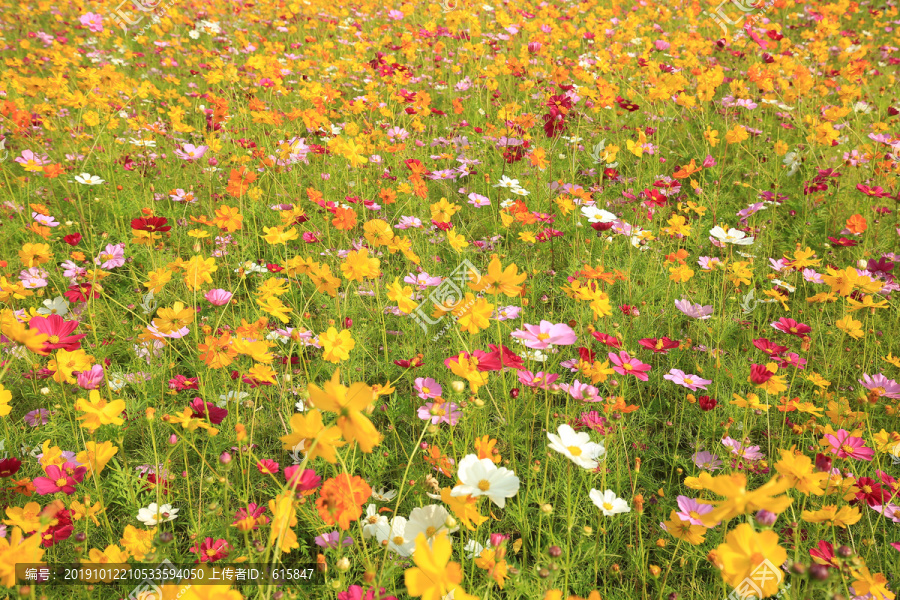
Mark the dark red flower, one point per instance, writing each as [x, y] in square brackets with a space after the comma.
[60, 529]
[770, 348]
[208, 410]
[9, 466]
[706, 403]
[507, 357]
[659, 346]
[72, 239]
[872, 492]
[211, 550]
[607, 340]
[151, 224]
[842, 241]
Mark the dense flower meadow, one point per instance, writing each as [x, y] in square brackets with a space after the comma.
[550, 300]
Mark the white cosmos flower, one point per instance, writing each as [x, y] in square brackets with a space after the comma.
[429, 520]
[373, 521]
[577, 447]
[154, 514]
[383, 495]
[57, 306]
[732, 236]
[506, 182]
[88, 179]
[597, 215]
[481, 477]
[394, 535]
[608, 503]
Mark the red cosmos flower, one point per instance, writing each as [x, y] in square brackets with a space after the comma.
[842, 241]
[253, 511]
[151, 224]
[304, 481]
[871, 492]
[267, 466]
[152, 481]
[659, 346]
[791, 327]
[9, 467]
[823, 554]
[410, 364]
[208, 410]
[607, 340]
[181, 383]
[81, 292]
[759, 374]
[770, 348]
[211, 551]
[72, 239]
[506, 357]
[629, 311]
[274, 268]
[59, 531]
[586, 354]
[706, 403]
[59, 331]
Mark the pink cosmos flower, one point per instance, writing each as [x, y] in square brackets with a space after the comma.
[886, 388]
[738, 449]
[582, 391]
[60, 479]
[90, 380]
[791, 327]
[440, 412]
[707, 460]
[422, 280]
[427, 388]
[537, 380]
[691, 510]
[112, 257]
[505, 313]
[845, 445]
[625, 365]
[301, 481]
[539, 337]
[191, 152]
[691, 382]
[696, 311]
[92, 21]
[218, 297]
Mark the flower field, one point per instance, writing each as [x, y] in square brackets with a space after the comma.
[545, 300]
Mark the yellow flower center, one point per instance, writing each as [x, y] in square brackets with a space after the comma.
[543, 336]
[608, 505]
[54, 339]
[398, 540]
[61, 482]
[431, 531]
[426, 390]
[574, 450]
[627, 366]
[847, 448]
[484, 485]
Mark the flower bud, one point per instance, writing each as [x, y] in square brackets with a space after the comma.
[458, 386]
[766, 518]
[343, 564]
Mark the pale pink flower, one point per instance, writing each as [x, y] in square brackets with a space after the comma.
[218, 297]
[539, 337]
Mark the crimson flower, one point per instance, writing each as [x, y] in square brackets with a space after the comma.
[72, 239]
[60, 479]
[151, 224]
[58, 331]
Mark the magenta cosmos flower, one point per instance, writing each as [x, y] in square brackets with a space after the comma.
[691, 382]
[791, 327]
[59, 332]
[218, 297]
[539, 337]
[537, 380]
[627, 365]
[845, 445]
[60, 479]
